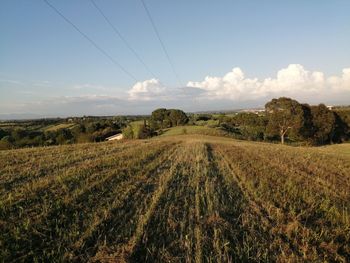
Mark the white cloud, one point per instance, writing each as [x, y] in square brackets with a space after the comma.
[233, 85]
[293, 80]
[341, 83]
[147, 90]
[231, 91]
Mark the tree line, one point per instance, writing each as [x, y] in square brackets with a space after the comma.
[287, 119]
[284, 120]
[83, 130]
[160, 119]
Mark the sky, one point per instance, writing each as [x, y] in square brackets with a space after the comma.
[225, 54]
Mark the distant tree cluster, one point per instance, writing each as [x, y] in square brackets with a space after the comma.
[245, 125]
[284, 120]
[138, 131]
[301, 122]
[82, 130]
[344, 114]
[166, 118]
[287, 119]
[160, 119]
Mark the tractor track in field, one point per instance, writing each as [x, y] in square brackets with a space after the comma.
[148, 193]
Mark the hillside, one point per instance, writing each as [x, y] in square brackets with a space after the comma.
[192, 129]
[174, 199]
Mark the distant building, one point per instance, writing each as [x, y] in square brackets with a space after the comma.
[118, 137]
[330, 107]
[256, 111]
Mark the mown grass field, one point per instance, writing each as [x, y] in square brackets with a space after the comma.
[190, 198]
[193, 129]
[56, 127]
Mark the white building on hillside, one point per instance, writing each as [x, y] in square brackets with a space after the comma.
[118, 137]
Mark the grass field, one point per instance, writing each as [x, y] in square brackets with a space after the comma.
[193, 129]
[190, 198]
[56, 127]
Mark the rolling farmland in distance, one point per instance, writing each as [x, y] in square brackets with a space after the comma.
[188, 198]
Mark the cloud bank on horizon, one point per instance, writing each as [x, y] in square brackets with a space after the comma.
[231, 91]
[293, 80]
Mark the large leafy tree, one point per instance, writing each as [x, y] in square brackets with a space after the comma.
[250, 125]
[324, 124]
[286, 117]
[177, 117]
[159, 116]
[168, 118]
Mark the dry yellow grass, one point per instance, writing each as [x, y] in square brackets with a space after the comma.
[190, 198]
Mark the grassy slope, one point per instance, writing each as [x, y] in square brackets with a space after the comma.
[59, 126]
[337, 149]
[175, 198]
[193, 129]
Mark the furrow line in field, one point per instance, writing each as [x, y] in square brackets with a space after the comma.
[197, 228]
[111, 195]
[62, 183]
[121, 245]
[168, 235]
[118, 176]
[19, 157]
[148, 176]
[300, 198]
[51, 168]
[24, 160]
[299, 235]
[71, 189]
[307, 176]
[260, 209]
[77, 211]
[232, 239]
[328, 168]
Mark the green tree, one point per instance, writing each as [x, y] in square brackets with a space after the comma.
[77, 131]
[323, 121]
[203, 117]
[159, 116]
[91, 127]
[177, 117]
[64, 136]
[128, 132]
[143, 132]
[18, 134]
[163, 118]
[341, 131]
[248, 125]
[286, 117]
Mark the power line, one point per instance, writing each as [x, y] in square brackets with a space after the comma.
[90, 40]
[161, 42]
[117, 32]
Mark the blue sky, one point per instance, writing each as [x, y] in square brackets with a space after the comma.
[47, 68]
